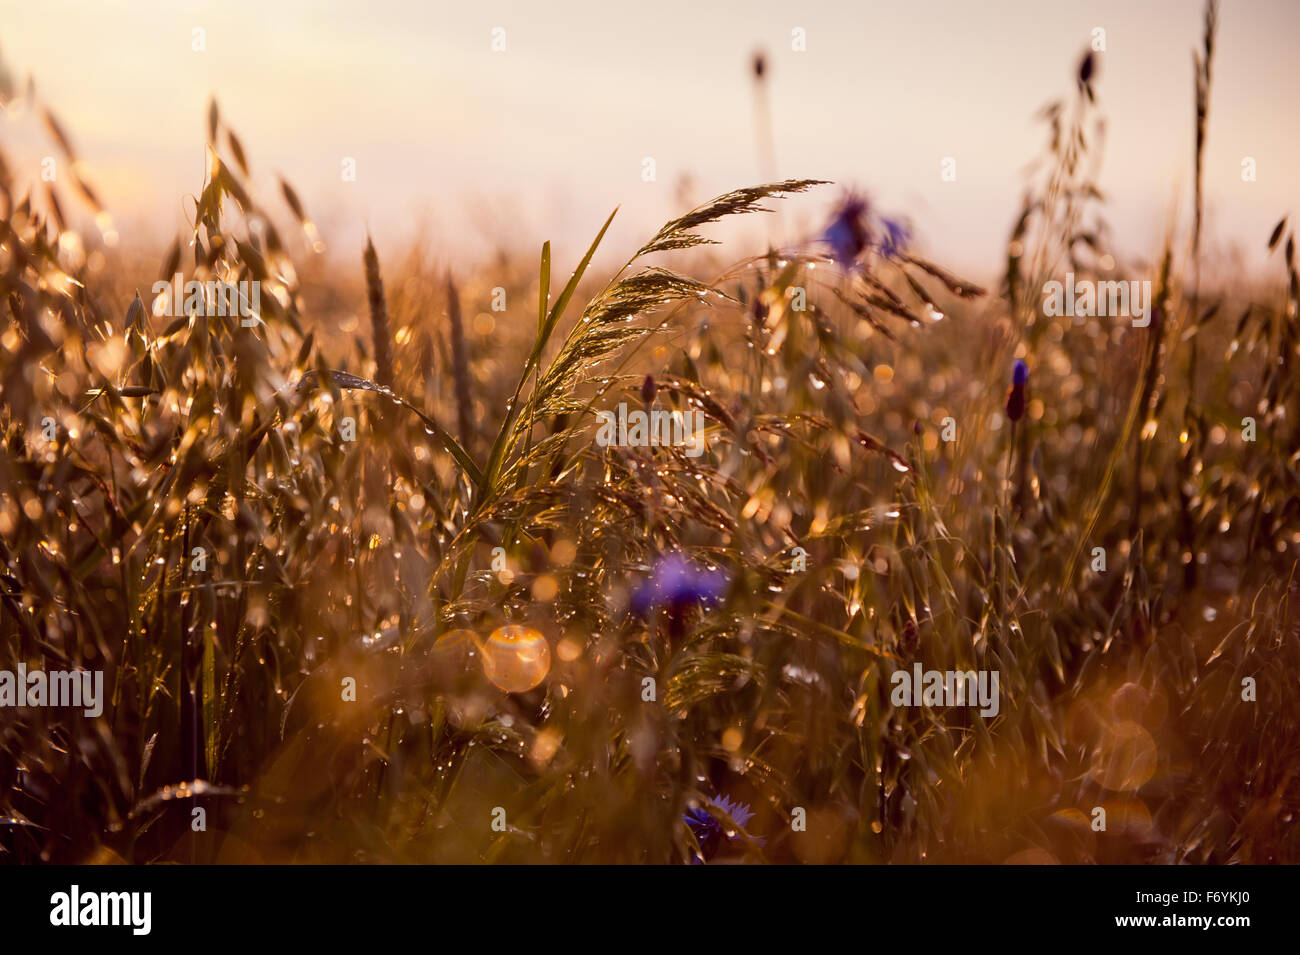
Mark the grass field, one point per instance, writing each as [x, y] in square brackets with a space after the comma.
[294, 551]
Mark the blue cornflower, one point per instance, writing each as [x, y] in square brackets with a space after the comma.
[739, 812]
[675, 583]
[848, 234]
[708, 830]
[895, 238]
[853, 229]
[1020, 373]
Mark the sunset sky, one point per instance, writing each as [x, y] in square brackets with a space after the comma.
[543, 140]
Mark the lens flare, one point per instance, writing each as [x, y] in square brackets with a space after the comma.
[516, 658]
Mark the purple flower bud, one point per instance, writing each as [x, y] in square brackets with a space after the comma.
[1016, 396]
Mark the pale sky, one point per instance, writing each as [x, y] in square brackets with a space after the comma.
[543, 140]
